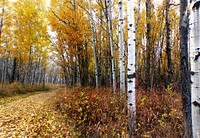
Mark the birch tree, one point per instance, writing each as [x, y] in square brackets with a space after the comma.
[195, 66]
[108, 4]
[4, 70]
[93, 43]
[121, 45]
[137, 18]
[1, 18]
[148, 45]
[131, 69]
[168, 45]
[184, 72]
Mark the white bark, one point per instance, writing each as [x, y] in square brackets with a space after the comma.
[131, 67]
[4, 73]
[108, 3]
[137, 19]
[121, 46]
[1, 19]
[195, 67]
[78, 69]
[94, 43]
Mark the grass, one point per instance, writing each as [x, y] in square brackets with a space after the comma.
[16, 91]
[18, 88]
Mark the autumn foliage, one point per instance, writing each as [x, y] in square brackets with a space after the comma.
[97, 113]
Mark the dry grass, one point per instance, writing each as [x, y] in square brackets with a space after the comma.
[18, 88]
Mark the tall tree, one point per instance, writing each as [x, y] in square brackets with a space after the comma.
[1, 18]
[121, 46]
[1, 26]
[184, 72]
[168, 44]
[94, 44]
[31, 40]
[131, 70]
[195, 66]
[73, 33]
[109, 16]
[148, 45]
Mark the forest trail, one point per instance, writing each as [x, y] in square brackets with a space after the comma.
[32, 116]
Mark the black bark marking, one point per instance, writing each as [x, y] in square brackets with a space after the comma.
[131, 104]
[130, 91]
[192, 73]
[196, 104]
[131, 76]
[196, 5]
[197, 56]
[130, 81]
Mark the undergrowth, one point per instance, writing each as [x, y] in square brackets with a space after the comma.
[18, 88]
[93, 113]
[159, 114]
[97, 113]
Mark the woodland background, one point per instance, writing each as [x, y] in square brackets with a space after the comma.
[59, 42]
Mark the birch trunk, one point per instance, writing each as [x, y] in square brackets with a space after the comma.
[121, 45]
[195, 67]
[4, 74]
[94, 44]
[168, 45]
[137, 19]
[137, 64]
[108, 4]
[184, 72]
[78, 68]
[1, 26]
[148, 46]
[1, 21]
[131, 69]
[13, 75]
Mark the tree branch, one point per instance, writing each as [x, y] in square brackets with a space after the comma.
[61, 20]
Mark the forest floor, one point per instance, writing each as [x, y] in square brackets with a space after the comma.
[31, 115]
[59, 113]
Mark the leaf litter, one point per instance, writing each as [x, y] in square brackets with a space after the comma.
[35, 115]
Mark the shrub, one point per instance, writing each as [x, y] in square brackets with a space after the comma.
[93, 113]
[159, 114]
[16, 88]
[96, 113]
[37, 88]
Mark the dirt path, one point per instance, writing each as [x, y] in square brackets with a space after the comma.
[32, 116]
